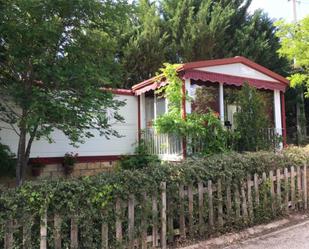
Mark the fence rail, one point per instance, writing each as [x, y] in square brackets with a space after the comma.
[200, 207]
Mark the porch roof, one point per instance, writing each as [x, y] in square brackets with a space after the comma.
[192, 70]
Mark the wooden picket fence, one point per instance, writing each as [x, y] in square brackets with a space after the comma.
[286, 191]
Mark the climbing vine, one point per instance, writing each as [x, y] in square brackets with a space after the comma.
[202, 128]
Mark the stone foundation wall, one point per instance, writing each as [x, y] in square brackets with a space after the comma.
[54, 171]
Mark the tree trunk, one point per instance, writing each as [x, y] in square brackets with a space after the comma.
[21, 155]
[28, 150]
[301, 118]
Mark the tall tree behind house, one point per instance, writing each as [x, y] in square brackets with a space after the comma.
[179, 31]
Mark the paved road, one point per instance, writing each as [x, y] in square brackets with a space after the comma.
[294, 237]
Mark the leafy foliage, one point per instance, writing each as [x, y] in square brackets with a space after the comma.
[55, 56]
[179, 31]
[88, 196]
[251, 121]
[139, 160]
[204, 127]
[295, 46]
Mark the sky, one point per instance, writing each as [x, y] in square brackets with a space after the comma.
[281, 8]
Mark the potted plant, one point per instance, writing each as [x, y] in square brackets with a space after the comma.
[69, 161]
[36, 167]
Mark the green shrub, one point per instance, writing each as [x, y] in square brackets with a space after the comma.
[7, 161]
[139, 160]
[252, 121]
[89, 196]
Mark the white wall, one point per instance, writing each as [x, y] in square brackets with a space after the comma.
[238, 69]
[96, 146]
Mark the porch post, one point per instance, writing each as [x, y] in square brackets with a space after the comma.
[283, 117]
[221, 102]
[139, 133]
[154, 106]
[277, 107]
[184, 115]
[142, 111]
[188, 90]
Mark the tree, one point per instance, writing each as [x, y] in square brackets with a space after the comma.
[55, 57]
[178, 31]
[251, 121]
[295, 46]
[144, 44]
[256, 39]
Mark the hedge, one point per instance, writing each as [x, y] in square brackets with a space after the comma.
[87, 197]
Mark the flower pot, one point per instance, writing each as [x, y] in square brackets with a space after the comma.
[36, 172]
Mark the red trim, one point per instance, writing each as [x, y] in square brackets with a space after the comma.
[237, 59]
[119, 91]
[80, 159]
[139, 118]
[152, 86]
[154, 82]
[283, 119]
[147, 82]
[233, 80]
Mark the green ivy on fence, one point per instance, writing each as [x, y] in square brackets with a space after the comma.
[92, 199]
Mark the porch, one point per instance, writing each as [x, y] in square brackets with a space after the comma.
[216, 81]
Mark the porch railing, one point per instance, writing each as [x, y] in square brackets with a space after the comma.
[163, 145]
[169, 146]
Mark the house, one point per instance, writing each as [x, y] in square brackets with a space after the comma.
[143, 105]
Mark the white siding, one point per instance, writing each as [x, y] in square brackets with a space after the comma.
[96, 146]
[238, 69]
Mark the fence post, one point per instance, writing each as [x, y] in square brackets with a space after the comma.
[256, 189]
[57, 231]
[299, 190]
[74, 233]
[182, 212]
[131, 221]
[272, 190]
[154, 221]
[43, 231]
[293, 187]
[170, 221]
[104, 232]
[163, 215]
[250, 205]
[8, 237]
[286, 189]
[190, 197]
[228, 200]
[200, 208]
[237, 201]
[264, 177]
[305, 186]
[278, 189]
[118, 221]
[244, 202]
[210, 205]
[220, 204]
[144, 223]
